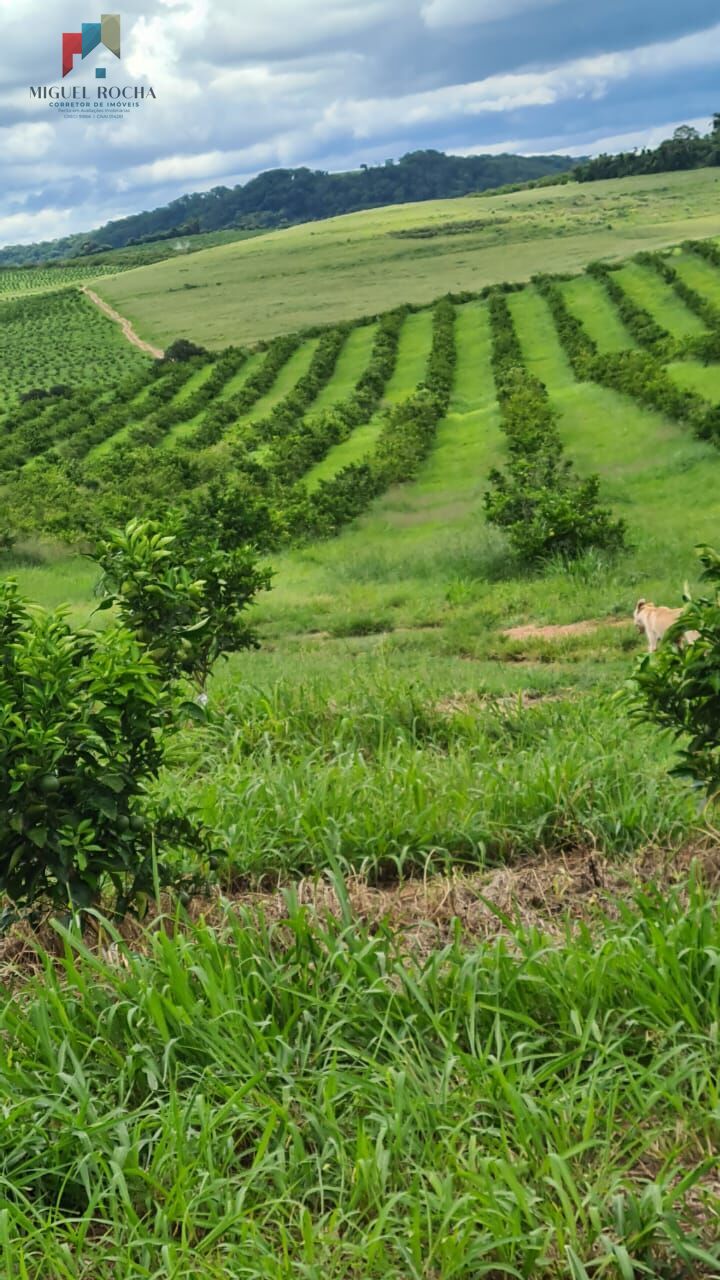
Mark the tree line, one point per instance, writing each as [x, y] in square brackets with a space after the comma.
[686, 149]
[280, 197]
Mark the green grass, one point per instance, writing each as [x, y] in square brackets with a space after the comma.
[305, 1097]
[699, 274]
[653, 470]
[691, 375]
[45, 278]
[413, 351]
[324, 272]
[238, 380]
[649, 290]
[276, 1100]
[292, 371]
[352, 363]
[588, 300]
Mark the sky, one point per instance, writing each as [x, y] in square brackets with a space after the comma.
[247, 85]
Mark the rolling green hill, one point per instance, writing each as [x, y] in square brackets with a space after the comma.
[478, 1035]
[324, 272]
[279, 197]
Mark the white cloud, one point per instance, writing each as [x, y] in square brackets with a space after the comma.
[43, 225]
[450, 13]
[574, 80]
[26, 142]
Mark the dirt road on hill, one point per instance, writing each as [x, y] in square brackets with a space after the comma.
[125, 325]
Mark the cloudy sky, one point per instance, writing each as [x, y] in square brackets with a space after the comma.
[246, 85]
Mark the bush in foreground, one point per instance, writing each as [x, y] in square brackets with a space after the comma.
[182, 595]
[85, 717]
[679, 686]
[83, 723]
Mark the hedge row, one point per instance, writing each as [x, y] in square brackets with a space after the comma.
[311, 439]
[538, 501]
[579, 347]
[76, 420]
[404, 442]
[223, 413]
[638, 322]
[635, 373]
[694, 301]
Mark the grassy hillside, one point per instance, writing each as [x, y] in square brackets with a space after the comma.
[364, 263]
[484, 1041]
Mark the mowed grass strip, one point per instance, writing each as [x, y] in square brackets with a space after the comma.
[699, 274]
[692, 375]
[352, 363]
[238, 380]
[654, 471]
[292, 371]
[589, 302]
[413, 352]
[645, 287]
[181, 430]
[450, 484]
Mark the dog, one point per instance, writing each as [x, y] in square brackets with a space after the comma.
[654, 620]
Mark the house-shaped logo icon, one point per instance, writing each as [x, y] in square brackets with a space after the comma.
[105, 32]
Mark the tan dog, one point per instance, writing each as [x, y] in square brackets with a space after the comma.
[655, 620]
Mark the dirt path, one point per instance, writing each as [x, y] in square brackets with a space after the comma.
[532, 632]
[125, 325]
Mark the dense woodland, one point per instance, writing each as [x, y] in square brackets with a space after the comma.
[280, 197]
[687, 149]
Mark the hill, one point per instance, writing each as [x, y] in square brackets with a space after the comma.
[449, 1002]
[365, 262]
[281, 197]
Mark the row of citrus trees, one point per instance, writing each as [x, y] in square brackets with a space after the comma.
[538, 501]
[636, 373]
[71, 491]
[258, 464]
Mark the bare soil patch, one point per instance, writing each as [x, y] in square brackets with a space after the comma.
[548, 893]
[532, 632]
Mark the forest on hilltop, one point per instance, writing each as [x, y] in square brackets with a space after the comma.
[280, 197]
[686, 149]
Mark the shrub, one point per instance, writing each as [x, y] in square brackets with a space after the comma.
[83, 724]
[182, 349]
[180, 593]
[545, 510]
[679, 686]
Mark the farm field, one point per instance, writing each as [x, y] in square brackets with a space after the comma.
[44, 278]
[20, 283]
[61, 338]
[368, 262]
[448, 1008]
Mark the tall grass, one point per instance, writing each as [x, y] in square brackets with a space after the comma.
[381, 778]
[303, 1099]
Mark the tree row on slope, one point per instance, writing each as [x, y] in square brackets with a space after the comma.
[635, 373]
[540, 504]
[639, 323]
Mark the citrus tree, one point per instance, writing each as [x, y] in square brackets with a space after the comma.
[678, 687]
